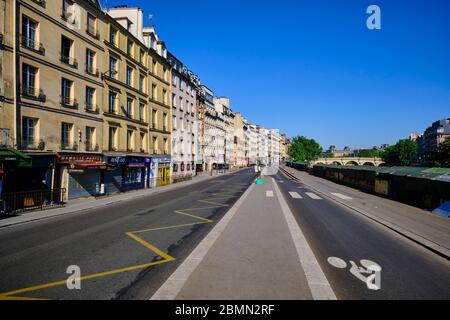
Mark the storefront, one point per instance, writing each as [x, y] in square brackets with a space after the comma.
[13, 168]
[128, 173]
[160, 173]
[81, 174]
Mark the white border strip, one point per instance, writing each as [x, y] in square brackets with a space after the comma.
[173, 285]
[318, 283]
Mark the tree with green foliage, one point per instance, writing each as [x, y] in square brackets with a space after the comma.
[368, 153]
[443, 154]
[304, 149]
[400, 154]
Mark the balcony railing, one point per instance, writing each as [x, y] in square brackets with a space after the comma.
[89, 146]
[69, 102]
[29, 144]
[91, 30]
[91, 70]
[32, 44]
[110, 74]
[69, 146]
[92, 108]
[33, 93]
[69, 61]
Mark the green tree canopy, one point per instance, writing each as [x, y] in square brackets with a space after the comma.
[400, 154]
[368, 153]
[304, 149]
[443, 154]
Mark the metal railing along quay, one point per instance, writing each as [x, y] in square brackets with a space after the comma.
[16, 202]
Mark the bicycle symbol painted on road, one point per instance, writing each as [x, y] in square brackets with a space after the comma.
[369, 272]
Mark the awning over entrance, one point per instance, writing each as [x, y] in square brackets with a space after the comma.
[15, 156]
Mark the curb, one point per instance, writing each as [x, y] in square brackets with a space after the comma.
[427, 244]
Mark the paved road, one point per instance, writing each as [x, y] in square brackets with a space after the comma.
[125, 250]
[409, 271]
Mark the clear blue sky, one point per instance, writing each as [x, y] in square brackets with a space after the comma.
[312, 67]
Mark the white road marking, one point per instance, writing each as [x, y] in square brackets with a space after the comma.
[340, 195]
[269, 194]
[337, 262]
[280, 181]
[313, 196]
[317, 282]
[295, 195]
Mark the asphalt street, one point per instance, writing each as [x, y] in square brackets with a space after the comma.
[341, 238]
[127, 250]
[124, 250]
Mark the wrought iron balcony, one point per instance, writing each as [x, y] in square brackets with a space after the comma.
[92, 71]
[90, 30]
[32, 44]
[89, 146]
[69, 61]
[92, 108]
[69, 146]
[33, 93]
[69, 102]
[31, 144]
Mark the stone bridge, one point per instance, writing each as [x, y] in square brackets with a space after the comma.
[349, 161]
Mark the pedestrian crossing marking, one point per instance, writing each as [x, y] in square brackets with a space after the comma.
[295, 195]
[269, 194]
[340, 195]
[313, 196]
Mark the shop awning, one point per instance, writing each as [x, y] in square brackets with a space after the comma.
[12, 155]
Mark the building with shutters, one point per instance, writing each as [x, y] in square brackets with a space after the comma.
[184, 120]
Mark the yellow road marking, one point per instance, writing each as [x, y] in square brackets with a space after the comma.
[169, 227]
[2, 297]
[133, 235]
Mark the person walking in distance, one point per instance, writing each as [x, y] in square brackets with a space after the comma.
[258, 170]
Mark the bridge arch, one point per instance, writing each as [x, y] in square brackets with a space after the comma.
[352, 163]
[337, 163]
[369, 164]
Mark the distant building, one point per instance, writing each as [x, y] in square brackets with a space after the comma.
[284, 147]
[414, 136]
[428, 143]
[332, 151]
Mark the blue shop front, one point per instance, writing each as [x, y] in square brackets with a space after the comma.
[128, 173]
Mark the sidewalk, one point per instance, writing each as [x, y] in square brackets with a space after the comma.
[421, 226]
[78, 205]
[256, 252]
